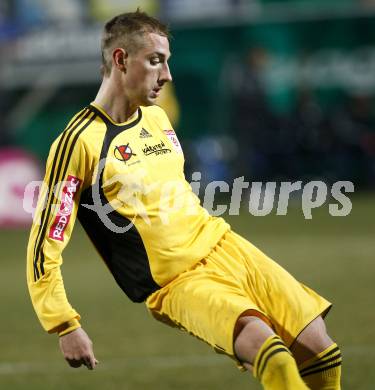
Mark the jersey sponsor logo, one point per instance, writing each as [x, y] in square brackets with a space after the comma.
[144, 133]
[173, 138]
[124, 153]
[156, 149]
[62, 219]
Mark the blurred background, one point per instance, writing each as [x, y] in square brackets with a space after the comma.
[265, 89]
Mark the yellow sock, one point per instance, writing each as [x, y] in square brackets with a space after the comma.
[276, 368]
[323, 371]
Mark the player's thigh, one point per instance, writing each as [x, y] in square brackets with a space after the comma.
[289, 305]
[203, 302]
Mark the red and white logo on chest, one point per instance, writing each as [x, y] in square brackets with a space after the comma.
[173, 138]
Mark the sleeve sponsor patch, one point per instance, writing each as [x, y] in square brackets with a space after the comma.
[70, 189]
[173, 138]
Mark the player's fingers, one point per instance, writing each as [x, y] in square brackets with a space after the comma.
[74, 363]
[90, 361]
[89, 364]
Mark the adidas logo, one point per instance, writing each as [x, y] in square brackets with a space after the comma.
[144, 134]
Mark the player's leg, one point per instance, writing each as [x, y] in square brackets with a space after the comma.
[318, 357]
[290, 307]
[211, 305]
[262, 352]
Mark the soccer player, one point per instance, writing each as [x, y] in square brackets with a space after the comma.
[118, 167]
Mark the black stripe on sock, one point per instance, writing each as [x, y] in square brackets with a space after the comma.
[51, 181]
[64, 173]
[278, 350]
[277, 341]
[322, 369]
[55, 175]
[329, 353]
[321, 363]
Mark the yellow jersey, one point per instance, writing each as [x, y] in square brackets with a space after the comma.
[125, 183]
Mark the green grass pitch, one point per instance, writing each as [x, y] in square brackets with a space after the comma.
[333, 255]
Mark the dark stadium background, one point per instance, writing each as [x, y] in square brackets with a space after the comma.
[268, 90]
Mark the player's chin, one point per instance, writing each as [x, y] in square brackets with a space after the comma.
[150, 101]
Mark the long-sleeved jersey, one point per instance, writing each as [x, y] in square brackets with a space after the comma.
[126, 185]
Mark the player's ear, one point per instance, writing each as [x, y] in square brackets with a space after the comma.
[120, 57]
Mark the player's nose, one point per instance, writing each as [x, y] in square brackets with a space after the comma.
[165, 74]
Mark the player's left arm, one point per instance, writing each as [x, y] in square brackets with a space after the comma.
[66, 176]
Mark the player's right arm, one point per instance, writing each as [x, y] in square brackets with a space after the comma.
[67, 174]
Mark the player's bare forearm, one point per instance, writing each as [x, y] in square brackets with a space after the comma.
[77, 349]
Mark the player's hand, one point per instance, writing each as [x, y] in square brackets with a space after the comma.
[77, 349]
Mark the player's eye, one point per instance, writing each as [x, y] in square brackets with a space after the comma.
[155, 61]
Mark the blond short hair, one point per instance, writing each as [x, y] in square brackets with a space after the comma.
[127, 31]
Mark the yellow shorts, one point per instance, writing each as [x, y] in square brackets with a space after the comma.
[235, 277]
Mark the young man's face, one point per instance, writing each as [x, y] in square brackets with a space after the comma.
[147, 70]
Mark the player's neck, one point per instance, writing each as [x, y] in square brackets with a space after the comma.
[114, 103]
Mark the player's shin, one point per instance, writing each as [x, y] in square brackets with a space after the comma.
[276, 368]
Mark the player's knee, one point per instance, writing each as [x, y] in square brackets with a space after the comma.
[249, 335]
[311, 341]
